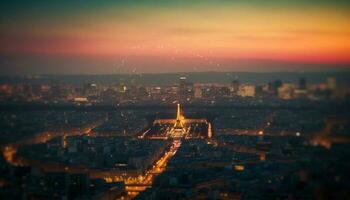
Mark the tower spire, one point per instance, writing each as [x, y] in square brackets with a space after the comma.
[178, 123]
[178, 113]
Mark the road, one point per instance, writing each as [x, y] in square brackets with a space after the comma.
[134, 189]
[325, 138]
[133, 185]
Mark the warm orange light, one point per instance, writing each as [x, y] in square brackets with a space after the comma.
[262, 156]
[239, 167]
[232, 32]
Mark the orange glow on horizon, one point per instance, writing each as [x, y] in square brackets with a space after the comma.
[241, 32]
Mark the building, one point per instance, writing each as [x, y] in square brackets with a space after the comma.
[331, 83]
[286, 91]
[186, 89]
[234, 87]
[198, 93]
[302, 84]
[246, 91]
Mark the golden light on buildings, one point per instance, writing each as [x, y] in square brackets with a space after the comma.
[64, 141]
[135, 185]
[180, 127]
[80, 99]
[209, 130]
[9, 152]
[239, 167]
[262, 156]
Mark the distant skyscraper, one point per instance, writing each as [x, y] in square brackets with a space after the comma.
[234, 87]
[302, 84]
[273, 86]
[331, 83]
[301, 90]
[198, 92]
[186, 90]
[183, 81]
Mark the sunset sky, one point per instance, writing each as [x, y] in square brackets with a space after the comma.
[91, 37]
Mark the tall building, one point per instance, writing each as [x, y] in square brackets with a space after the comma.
[186, 90]
[302, 84]
[90, 89]
[273, 86]
[183, 81]
[301, 90]
[234, 87]
[198, 92]
[331, 83]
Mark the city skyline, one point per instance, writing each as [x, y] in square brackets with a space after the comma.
[160, 37]
[118, 140]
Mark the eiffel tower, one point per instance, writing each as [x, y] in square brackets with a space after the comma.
[178, 123]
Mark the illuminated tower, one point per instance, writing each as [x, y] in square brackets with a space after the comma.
[179, 123]
[64, 141]
[210, 133]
